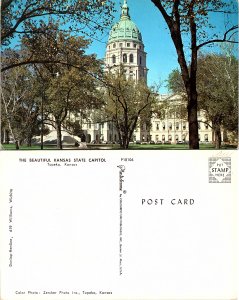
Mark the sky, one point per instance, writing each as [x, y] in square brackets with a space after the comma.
[161, 54]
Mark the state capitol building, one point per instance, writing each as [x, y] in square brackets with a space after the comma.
[125, 47]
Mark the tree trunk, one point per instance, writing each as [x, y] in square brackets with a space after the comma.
[17, 145]
[4, 136]
[189, 76]
[29, 141]
[124, 141]
[193, 120]
[126, 144]
[58, 131]
[218, 137]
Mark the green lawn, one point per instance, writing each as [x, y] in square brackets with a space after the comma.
[176, 147]
[25, 147]
[116, 147]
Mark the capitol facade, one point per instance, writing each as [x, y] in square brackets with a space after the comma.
[125, 47]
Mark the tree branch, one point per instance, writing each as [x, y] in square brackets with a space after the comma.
[5, 4]
[224, 39]
[159, 5]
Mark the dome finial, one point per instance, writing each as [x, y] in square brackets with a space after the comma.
[125, 10]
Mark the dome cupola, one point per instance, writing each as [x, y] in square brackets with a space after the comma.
[125, 29]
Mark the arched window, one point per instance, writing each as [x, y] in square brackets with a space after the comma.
[131, 58]
[113, 59]
[125, 58]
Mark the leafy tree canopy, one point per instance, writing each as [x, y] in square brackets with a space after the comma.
[30, 16]
[126, 103]
[51, 48]
[217, 87]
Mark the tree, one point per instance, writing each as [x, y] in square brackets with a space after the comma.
[19, 18]
[54, 47]
[20, 104]
[66, 95]
[218, 92]
[66, 75]
[66, 89]
[217, 86]
[126, 103]
[192, 16]
[34, 18]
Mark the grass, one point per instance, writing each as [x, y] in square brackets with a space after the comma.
[176, 147]
[25, 147]
[116, 147]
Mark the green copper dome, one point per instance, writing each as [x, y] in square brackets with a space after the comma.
[125, 29]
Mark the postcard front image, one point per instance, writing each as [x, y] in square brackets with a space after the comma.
[119, 168]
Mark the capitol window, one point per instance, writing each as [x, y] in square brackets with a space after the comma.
[114, 45]
[125, 58]
[131, 58]
[128, 44]
[113, 59]
[120, 44]
[135, 45]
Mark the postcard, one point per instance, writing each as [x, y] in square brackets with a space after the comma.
[119, 161]
[118, 225]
